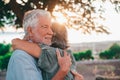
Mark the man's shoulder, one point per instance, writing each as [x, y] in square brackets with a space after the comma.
[20, 54]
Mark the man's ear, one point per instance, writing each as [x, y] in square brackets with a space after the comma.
[29, 30]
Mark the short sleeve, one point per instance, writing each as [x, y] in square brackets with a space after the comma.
[22, 66]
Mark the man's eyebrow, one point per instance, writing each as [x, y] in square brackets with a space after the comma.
[44, 25]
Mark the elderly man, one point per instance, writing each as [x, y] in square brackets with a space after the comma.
[23, 66]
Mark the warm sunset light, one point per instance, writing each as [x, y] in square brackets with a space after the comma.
[76, 36]
[59, 17]
[85, 32]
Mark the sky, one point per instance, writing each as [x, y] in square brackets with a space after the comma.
[112, 22]
[74, 36]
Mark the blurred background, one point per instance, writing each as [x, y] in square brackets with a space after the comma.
[93, 32]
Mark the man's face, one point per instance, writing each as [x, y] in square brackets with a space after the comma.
[42, 33]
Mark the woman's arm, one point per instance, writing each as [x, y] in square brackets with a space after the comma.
[64, 63]
[31, 48]
[34, 50]
[77, 75]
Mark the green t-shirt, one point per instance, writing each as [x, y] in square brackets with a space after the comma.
[48, 62]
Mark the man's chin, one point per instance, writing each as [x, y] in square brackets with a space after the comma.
[48, 43]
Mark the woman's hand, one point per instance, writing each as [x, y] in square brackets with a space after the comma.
[16, 43]
[77, 75]
[64, 62]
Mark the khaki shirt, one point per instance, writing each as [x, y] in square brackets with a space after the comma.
[48, 62]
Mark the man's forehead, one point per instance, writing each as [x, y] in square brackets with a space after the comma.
[44, 25]
[45, 22]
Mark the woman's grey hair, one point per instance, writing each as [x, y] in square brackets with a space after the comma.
[59, 38]
[31, 18]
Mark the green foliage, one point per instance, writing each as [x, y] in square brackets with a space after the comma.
[11, 11]
[106, 55]
[112, 53]
[5, 54]
[76, 55]
[4, 48]
[83, 55]
[115, 48]
[6, 15]
[88, 54]
[4, 61]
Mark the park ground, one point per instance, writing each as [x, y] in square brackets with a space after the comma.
[94, 70]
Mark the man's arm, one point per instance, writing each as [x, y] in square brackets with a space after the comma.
[31, 48]
[64, 62]
[22, 66]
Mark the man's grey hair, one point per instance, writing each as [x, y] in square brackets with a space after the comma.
[31, 18]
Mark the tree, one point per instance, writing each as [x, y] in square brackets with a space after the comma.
[86, 55]
[5, 54]
[4, 48]
[112, 53]
[115, 48]
[18, 8]
[106, 55]
[78, 13]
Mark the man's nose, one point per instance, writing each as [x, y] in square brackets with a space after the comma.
[50, 31]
